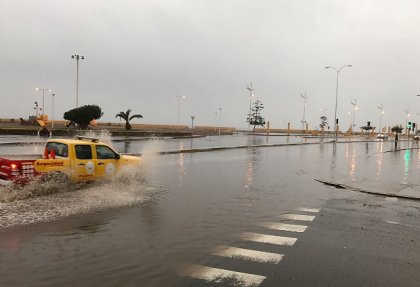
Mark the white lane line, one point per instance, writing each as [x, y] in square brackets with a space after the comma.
[263, 238]
[313, 210]
[284, 226]
[246, 254]
[402, 224]
[217, 275]
[292, 216]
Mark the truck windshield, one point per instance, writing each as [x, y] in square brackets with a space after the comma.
[104, 152]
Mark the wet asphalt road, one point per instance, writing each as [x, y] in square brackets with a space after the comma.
[253, 217]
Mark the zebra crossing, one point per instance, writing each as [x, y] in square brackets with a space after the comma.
[235, 278]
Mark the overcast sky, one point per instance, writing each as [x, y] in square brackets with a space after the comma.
[141, 54]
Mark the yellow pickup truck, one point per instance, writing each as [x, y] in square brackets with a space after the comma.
[81, 159]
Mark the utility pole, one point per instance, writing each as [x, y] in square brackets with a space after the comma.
[304, 97]
[77, 58]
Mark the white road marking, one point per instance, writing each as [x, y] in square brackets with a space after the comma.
[292, 216]
[263, 238]
[402, 224]
[246, 254]
[217, 275]
[314, 210]
[284, 226]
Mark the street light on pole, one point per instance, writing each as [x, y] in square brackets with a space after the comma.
[407, 114]
[381, 109]
[77, 58]
[220, 119]
[43, 97]
[179, 105]
[52, 113]
[354, 103]
[251, 96]
[336, 97]
[304, 97]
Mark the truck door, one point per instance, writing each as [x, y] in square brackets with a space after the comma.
[107, 161]
[84, 165]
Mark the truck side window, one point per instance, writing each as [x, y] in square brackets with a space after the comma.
[83, 152]
[104, 152]
[60, 149]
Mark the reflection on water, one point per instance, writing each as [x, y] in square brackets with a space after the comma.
[249, 176]
[351, 159]
[407, 162]
[127, 145]
[124, 234]
[379, 158]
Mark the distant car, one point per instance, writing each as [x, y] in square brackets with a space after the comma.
[382, 136]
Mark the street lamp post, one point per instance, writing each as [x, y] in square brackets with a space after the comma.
[353, 116]
[192, 122]
[336, 97]
[179, 105]
[407, 114]
[43, 97]
[304, 97]
[77, 58]
[251, 96]
[36, 108]
[220, 119]
[52, 113]
[381, 107]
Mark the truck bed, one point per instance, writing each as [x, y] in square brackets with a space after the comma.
[14, 168]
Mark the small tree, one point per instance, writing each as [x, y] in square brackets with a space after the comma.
[397, 130]
[82, 116]
[126, 116]
[255, 118]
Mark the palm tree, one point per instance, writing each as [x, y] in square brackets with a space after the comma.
[397, 130]
[126, 116]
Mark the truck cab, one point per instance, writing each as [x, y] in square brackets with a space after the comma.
[82, 159]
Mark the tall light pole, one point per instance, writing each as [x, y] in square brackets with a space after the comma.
[36, 109]
[220, 119]
[304, 97]
[407, 114]
[52, 113]
[43, 97]
[336, 96]
[192, 122]
[179, 105]
[77, 58]
[354, 103]
[251, 96]
[381, 109]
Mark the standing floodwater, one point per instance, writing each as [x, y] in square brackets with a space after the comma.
[148, 227]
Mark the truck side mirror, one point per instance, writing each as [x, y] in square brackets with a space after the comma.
[117, 156]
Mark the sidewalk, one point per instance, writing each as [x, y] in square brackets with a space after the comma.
[391, 189]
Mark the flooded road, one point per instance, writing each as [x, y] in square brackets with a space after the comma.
[197, 219]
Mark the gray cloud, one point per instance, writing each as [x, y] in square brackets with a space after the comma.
[140, 54]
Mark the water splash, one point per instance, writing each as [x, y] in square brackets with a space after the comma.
[52, 200]
[102, 135]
